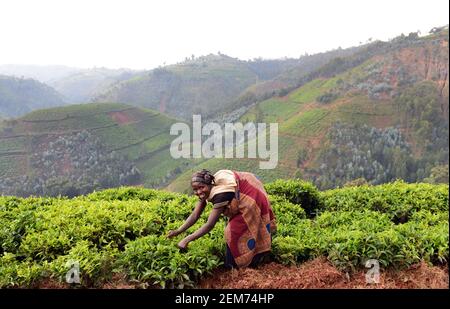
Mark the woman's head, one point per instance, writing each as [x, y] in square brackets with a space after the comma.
[202, 183]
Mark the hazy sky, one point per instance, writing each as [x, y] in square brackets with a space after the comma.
[142, 34]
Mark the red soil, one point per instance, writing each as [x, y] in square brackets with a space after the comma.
[319, 273]
[121, 117]
[315, 274]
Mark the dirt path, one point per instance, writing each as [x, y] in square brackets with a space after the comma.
[319, 274]
[315, 274]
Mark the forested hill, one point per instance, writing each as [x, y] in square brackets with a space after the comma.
[375, 116]
[196, 86]
[19, 96]
[213, 84]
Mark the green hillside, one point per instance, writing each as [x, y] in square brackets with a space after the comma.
[298, 73]
[216, 84]
[19, 96]
[77, 149]
[204, 85]
[199, 86]
[377, 120]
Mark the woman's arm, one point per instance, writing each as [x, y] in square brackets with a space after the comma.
[206, 228]
[193, 217]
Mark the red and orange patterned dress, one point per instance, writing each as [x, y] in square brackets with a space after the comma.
[251, 219]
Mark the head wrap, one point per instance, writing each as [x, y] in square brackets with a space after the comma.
[204, 176]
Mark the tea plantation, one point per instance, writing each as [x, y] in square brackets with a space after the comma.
[123, 231]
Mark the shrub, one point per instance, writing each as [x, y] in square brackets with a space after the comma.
[298, 192]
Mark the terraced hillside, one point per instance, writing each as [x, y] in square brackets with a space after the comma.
[382, 119]
[76, 149]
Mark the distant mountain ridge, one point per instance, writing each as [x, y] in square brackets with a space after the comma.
[42, 73]
[197, 86]
[212, 84]
[83, 85]
[75, 84]
[19, 96]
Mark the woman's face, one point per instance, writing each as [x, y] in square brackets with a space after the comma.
[201, 190]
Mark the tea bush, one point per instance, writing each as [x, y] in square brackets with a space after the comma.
[297, 191]
[124, 231]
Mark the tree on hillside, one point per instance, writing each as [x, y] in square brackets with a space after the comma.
[439, 174]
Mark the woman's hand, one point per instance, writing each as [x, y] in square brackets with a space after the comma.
[182, 245]
[173, 233]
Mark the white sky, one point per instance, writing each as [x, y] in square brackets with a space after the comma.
[142, 34]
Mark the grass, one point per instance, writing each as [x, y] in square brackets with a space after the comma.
[288, 148]
[361, 110]
[76, 110]
[275, 110]
[307, 123]
[157, 142]
[310, 91]
[156, 168]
